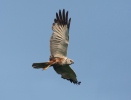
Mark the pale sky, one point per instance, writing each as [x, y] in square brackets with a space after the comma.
[100, 45]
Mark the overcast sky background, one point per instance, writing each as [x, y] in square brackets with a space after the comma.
[100, 45]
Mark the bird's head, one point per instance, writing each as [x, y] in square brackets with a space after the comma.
[69, 61]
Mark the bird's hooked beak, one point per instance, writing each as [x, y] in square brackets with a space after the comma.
[72, 62]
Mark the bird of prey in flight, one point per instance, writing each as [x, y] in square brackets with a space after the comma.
[58, 49]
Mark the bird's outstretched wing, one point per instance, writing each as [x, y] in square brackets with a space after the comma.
[66, 73]
[60, 37]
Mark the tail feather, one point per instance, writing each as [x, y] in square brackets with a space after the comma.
[43, 65]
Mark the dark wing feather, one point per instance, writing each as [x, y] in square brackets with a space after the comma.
[66, 73]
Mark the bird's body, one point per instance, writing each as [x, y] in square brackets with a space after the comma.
[58, 48]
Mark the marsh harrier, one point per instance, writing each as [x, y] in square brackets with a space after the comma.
[58, 48]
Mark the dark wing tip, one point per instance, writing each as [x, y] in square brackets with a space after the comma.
[68, 24]
[78, 83]
[62, 18]
[72, 81]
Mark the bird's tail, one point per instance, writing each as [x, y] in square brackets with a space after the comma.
[43, 65]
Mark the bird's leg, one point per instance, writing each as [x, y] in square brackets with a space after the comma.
[49, 64]
[46, 67]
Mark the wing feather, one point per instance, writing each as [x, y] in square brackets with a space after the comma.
[60, 37]
[66, 73]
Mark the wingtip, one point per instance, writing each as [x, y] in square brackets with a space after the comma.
[78, 83]
[62, 18]
[75, 82]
